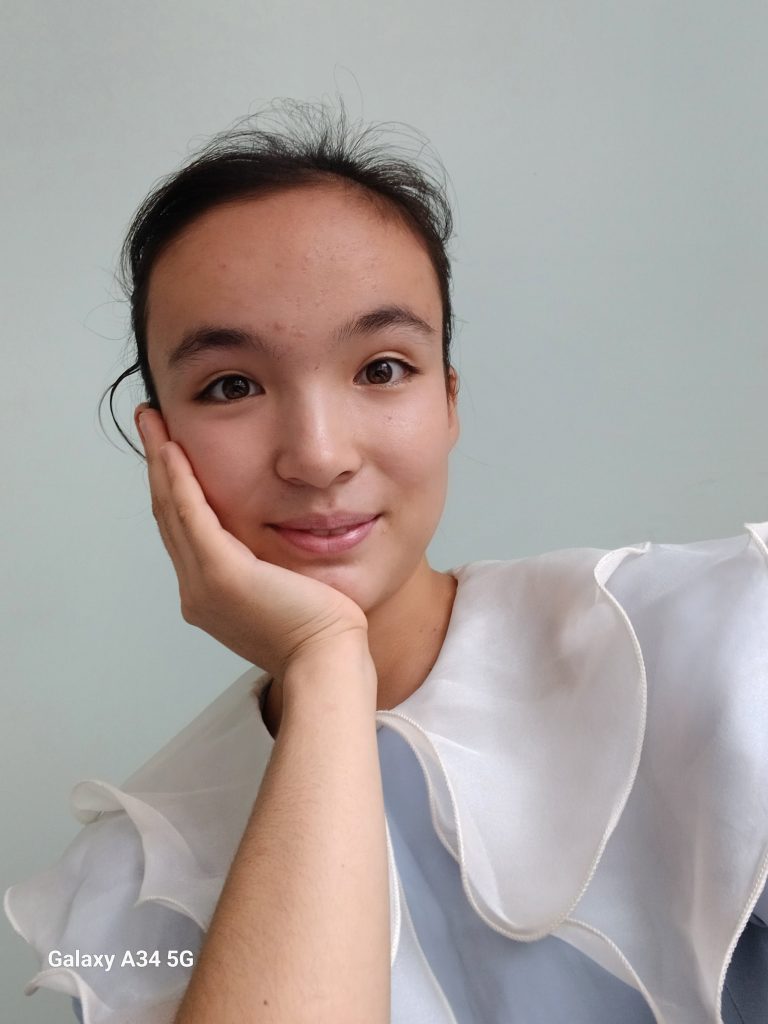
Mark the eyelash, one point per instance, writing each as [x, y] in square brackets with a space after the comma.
[205, 394]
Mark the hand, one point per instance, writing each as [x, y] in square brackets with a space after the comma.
[267, 614]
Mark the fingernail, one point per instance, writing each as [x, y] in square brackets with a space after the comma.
[141, 414]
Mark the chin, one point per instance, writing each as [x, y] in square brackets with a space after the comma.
[357, 581]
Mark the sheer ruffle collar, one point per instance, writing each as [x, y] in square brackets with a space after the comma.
[592, 736]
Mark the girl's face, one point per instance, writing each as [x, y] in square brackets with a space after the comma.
[282, 414]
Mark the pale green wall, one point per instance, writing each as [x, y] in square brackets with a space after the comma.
[608, 162]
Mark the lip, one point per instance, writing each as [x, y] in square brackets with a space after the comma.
[327, 545]
[331, 521]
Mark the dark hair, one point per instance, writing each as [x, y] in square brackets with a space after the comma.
[247, 160]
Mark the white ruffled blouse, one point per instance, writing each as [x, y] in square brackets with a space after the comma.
[576, 801]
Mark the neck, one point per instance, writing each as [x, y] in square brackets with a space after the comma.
[405, 636]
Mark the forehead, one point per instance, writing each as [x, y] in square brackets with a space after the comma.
[291, 252]
[294, 269]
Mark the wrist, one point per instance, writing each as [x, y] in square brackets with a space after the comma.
[334, 673]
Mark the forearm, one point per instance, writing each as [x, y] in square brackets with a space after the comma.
[301, 931]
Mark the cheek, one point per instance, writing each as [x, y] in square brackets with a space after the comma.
[414, 454]
[416, 480]
[225, 465]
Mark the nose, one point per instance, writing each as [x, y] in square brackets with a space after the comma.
[316, 441]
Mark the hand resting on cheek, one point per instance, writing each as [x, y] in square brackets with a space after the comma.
[269, 615]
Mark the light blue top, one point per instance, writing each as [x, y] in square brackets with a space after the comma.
[491, 979]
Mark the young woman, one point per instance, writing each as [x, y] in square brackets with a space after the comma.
[530, 791]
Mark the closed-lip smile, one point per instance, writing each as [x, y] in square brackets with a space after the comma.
[331, 521]
[333, 534]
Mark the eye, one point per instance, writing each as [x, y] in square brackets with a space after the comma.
[231, 394]
[409, 371]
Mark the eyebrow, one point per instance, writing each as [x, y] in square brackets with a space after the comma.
[206, 338]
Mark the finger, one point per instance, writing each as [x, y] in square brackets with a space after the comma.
[190, 528]
[197, 532]
[151, 427]
[154, 434]
[142, 407]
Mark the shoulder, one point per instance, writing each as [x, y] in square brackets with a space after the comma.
[703, 606]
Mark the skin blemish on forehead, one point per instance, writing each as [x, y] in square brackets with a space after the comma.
[281, 327]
